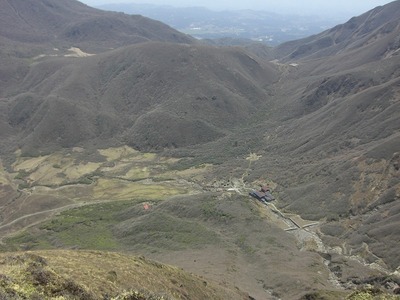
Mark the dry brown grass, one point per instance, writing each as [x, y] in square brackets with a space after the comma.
[96, 275]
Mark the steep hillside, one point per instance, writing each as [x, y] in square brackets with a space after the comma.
[33, 30]
[369, 37]
[45, 25]
[150, 95]
[332, 141]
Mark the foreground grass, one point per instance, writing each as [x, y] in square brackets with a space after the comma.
[99, 275]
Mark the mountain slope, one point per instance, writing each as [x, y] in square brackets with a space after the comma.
[366, 38]
[33, 30]
[70, 23]
[337, 125]
[149, 95]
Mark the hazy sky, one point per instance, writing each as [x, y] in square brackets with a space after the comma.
[308, 7]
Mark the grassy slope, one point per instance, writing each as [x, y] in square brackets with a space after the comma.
[93, 275]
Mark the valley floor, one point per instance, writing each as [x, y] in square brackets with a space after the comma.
[119, 199]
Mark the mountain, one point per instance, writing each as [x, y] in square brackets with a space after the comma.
[338, 125]
[149, 95]
[154, 146]
[369, 37]
[148, 78]
[30, 30]
[42, 27]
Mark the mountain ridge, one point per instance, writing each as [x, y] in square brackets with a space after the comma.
[71, 23]
[357, 34]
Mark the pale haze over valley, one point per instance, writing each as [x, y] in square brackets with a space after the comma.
[339, 9]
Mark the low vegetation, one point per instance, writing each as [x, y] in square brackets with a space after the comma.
[99, 275]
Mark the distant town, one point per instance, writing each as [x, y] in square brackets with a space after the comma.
[202, 23]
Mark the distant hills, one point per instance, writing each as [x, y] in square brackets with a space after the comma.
[202, 23]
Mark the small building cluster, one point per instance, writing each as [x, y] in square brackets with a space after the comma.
[264, 194]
